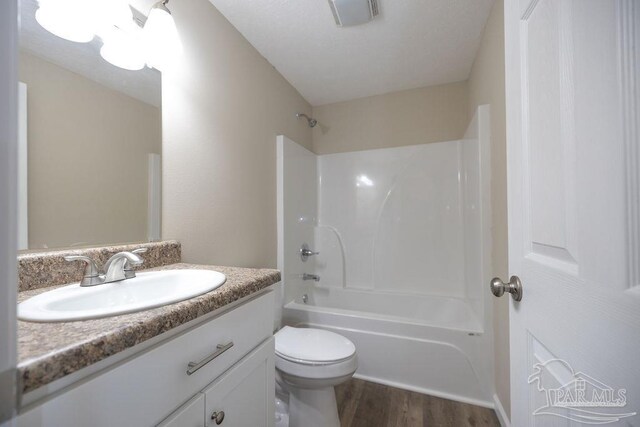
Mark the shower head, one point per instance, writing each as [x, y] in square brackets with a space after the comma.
[312, 122]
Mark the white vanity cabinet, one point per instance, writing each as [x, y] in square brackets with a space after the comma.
[230, 360]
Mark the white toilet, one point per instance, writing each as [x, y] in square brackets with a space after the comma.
[309, 363]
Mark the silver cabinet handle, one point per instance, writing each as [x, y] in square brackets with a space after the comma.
[220, 348]
[514, 287]
[218, 417]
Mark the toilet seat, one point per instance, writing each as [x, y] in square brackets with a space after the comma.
[314, 354]
[310, 346]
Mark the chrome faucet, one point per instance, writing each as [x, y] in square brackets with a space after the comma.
[307, 276]
[118, 267]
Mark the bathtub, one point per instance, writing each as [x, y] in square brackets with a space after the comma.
[429, 344]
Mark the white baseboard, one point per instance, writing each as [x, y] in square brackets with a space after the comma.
[502, 415]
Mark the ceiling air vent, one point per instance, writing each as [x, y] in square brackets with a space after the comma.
[353, 12]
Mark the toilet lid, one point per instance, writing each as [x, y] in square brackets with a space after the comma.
[312, 345]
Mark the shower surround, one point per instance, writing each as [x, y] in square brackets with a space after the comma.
[403, 242]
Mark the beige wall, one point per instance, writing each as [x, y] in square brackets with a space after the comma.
[224, 104]
[416, 116]
[88, 146]
[486, 86]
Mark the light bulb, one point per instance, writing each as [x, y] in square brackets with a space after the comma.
[122, 48]
[161, 38]
[69, 19]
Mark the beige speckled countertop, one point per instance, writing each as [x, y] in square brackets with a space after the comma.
[49, 351]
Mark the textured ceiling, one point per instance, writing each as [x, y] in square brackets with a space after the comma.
[413, 43]
[85, 59]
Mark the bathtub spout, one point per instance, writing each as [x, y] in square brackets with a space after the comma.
[307, 276]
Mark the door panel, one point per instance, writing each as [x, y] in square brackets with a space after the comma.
[548, 134]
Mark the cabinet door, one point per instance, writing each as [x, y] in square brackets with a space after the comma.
[245, 393]
[191, 414]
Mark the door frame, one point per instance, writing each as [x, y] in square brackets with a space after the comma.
[514, 152]
[8, 209]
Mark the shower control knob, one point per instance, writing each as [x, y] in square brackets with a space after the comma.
[305, 252]
[514, 287]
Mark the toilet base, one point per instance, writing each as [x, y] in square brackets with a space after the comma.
[282, 411]
[313, 407]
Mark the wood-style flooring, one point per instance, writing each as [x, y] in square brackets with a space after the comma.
[366, 404]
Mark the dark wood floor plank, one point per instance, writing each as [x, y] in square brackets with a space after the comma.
[405, 408]
[366, 404]
[348, 396]
[438, 412]
[398, 406]
[484, 416]
[373, 408]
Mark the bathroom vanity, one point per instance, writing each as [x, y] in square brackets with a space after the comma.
[205, 361]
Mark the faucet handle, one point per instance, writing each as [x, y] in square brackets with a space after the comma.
[91, 272]
[305, 252]
[129, 272]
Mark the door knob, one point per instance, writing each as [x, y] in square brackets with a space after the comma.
[514, 287]
[218, 417]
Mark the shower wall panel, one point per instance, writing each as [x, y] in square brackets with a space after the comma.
[397, 215]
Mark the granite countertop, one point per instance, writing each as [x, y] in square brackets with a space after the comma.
[49, 351]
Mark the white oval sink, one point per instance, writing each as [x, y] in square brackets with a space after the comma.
[146, 290]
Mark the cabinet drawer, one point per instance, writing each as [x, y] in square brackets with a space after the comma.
[244, 396]
[143, 390]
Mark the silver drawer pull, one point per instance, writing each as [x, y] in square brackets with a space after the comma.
[220, 348]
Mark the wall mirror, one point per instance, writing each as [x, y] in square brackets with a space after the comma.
[90, 138]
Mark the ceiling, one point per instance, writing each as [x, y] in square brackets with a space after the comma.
[85, 59]
[412, 43]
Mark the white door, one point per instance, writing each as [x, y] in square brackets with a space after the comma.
[574, 210]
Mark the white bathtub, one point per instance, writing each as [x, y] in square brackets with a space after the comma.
[428, 344]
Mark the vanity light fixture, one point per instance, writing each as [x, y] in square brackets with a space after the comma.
[125, 44]
[162, 41]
